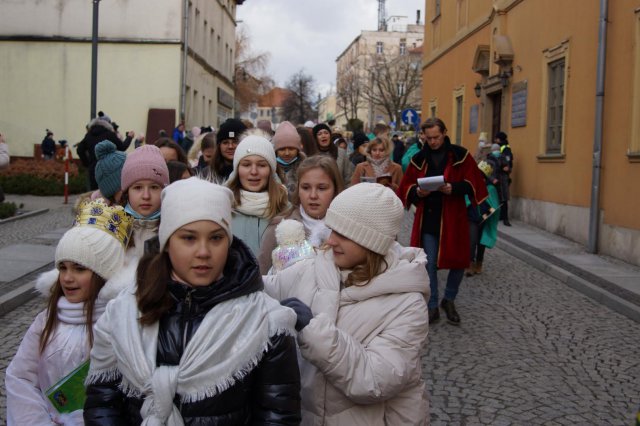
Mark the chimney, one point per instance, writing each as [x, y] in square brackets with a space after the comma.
[418, 17]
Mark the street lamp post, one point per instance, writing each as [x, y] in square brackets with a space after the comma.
[94, 59]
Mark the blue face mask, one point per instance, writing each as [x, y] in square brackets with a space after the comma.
[136, 215]
[284, 163]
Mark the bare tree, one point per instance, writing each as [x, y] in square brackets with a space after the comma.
[349, 94]
[393, 82]
[250, 76]
[298, 105]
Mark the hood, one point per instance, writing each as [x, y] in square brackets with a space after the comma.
[125, 277]
[98, 126]
[406, 273]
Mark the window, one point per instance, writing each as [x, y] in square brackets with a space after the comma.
[459, 120]
[433, 107]
[403, 47]
[379, 47]
[402, 88]
[555, 105]
[457, 114]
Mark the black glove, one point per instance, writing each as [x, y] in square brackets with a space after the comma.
[303, 312]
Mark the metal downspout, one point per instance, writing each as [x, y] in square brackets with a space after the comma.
[594, 216]
[185, 56]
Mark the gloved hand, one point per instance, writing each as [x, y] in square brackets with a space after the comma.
[303, 312]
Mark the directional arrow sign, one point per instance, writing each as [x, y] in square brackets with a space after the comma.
[410, 116]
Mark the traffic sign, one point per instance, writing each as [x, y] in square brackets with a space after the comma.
[410, 116]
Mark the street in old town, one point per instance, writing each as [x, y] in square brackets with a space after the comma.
[530, 349]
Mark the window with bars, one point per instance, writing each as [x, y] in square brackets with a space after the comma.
[403, 47]
[379, 47]
[555, 106]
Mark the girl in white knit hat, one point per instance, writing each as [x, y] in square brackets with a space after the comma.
[197, 341]
[87, 260]
[258, 195]
[362, 316]
[318, 183]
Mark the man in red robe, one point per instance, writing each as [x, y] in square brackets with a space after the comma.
[441, 226]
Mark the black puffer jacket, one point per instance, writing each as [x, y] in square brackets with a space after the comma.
[99, 130]
[268, 395]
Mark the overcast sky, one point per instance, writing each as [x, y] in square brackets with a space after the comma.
[310, 34]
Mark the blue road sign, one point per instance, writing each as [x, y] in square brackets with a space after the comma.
[410, 116]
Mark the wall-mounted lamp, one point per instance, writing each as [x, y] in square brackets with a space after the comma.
[505, 75]
[477, 90]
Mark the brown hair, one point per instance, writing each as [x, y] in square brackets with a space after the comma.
[309, 146]
[208, 141]
[362, 274]
[380, 128]
[152, 292]
[324, 163]
[433, 122]
[96, 284]
[278, 195]
[169, 143]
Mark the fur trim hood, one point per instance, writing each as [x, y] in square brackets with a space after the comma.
[124, 278]
[101, 123]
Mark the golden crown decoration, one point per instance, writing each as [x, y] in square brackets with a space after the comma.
[485, 167]
[111, 219]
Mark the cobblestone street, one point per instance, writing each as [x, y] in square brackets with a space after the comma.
[530, 350]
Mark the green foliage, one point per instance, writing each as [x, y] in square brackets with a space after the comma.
[355, 125]
[7, 210]
[34, 185]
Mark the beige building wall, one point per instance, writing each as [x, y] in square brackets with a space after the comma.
[552, 191]
[45, 58]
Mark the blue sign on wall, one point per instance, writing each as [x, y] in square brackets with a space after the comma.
[519, 104]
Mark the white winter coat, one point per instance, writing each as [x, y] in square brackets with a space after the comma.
[31, 373]
[361, 352]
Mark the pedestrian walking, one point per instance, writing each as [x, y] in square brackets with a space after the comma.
[500, 177]
[318, 183]
[289, 155]
[258, 196]
[87, 259]
[48, 146]
[197, 341]
[378, 167]
[322, 135]
[227, 138]
[505, 175]
[361, 316]
[440, 225]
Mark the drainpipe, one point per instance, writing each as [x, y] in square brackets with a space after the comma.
[594, 216]
[185, 56]
[94, 60]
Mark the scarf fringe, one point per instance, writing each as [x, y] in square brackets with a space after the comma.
[107, 375]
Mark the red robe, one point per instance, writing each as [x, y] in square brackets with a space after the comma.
[454, 245]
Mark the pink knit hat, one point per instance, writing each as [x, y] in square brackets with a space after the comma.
[145, 162]
[286, 136]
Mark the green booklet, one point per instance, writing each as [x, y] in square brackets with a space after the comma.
[68, 394]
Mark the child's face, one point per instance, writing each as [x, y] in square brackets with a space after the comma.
[144, 197]
[346, 253]
[316, 190]
[287, 154]
[198, 252]
[75, 281]
[254, 172]
[207, 154]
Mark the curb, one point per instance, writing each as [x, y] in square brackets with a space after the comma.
[591, 290]
[24, 215]
[24, 292]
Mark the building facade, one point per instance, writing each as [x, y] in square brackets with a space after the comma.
[363, 53]
[515, 66]
[145, 80]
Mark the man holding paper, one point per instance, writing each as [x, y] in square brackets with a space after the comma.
[436, 181]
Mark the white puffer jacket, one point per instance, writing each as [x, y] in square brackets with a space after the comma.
[361, 352]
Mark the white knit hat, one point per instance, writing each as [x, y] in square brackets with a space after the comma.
[369, 214]
[98, 239]
[191, 200]
[254, 145]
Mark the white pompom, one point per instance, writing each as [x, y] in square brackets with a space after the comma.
[290, 232]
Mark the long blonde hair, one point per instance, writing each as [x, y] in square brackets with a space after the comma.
[363, 273]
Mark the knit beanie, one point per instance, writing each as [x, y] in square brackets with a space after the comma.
[358, 140]
[98, 239]
[109, 168]
[191, 200]
[369, 214]
[143, 163]
[254, 145]
[286, 136]
[232, 128]
[319, 127]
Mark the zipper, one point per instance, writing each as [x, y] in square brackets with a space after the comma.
[186, 315]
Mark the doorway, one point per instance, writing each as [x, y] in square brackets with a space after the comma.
[495, 100]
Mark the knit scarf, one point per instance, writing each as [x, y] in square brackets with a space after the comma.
[253, 203]
[73, 313]
[317, 231]
[380, 166]
[229, 343]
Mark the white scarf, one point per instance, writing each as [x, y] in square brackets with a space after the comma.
[380, 166]
[229, 343]
[317, 231]
[253, 203]
[73, 313]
